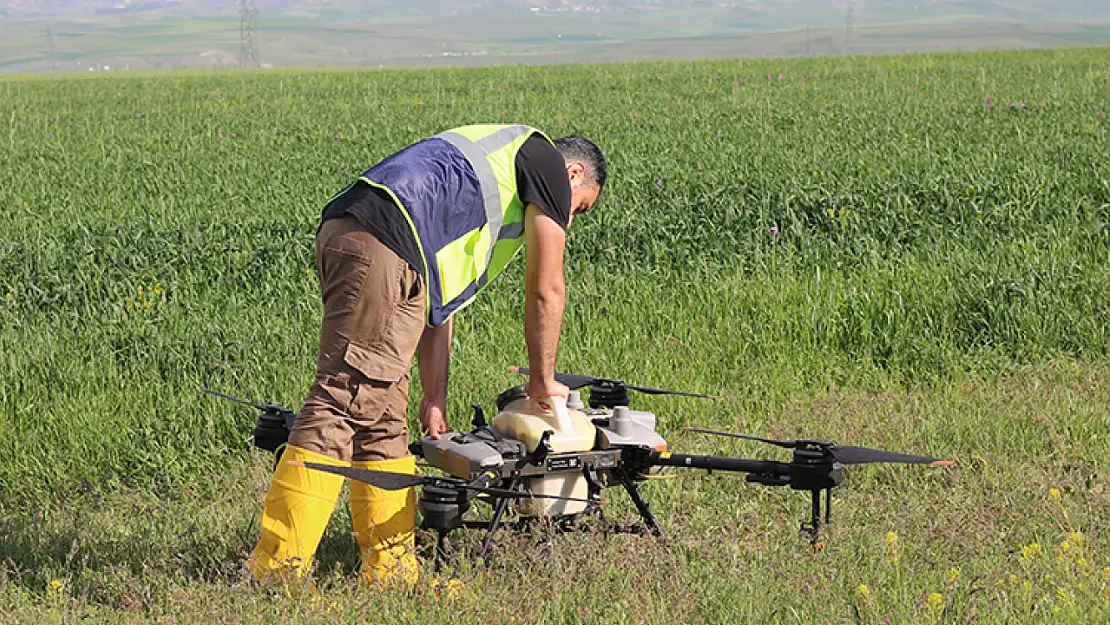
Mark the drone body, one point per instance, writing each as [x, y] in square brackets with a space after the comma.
[565, 450]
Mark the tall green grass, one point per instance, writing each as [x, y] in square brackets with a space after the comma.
[906, 226]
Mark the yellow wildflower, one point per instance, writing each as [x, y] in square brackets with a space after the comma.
[953, 575]
[1030, 551]
[1054, 494]
[863, 592]
[935, 601]
[891, 540]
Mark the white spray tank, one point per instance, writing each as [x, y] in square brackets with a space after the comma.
[571, 430]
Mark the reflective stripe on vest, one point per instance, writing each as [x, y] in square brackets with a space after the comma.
[468, 263]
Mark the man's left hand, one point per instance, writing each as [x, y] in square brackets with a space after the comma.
[433, 417]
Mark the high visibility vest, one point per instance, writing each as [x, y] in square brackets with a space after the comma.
[458, 192]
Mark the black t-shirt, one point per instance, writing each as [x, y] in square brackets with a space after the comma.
[541, 179]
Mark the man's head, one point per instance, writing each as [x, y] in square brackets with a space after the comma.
[586, 169]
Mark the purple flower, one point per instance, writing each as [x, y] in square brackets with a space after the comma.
[719, 132]
[774, 229]
[990, 102]
[138, 115]
[780, 76]
[220, 133]
[337, 137]
[659, 184]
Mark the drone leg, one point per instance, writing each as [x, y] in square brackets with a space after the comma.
[642, 507]
[441, 550]
[828, 505]
[498, 512]
[813, 528]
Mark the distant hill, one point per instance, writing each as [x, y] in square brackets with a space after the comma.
[44, 35]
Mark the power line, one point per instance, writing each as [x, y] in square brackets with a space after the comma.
[53, 51]
[848, 31]
[248, 24]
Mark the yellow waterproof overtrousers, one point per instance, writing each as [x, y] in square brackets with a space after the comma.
[384, 523]
[296, 512]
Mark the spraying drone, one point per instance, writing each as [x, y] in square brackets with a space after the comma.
[551, 463]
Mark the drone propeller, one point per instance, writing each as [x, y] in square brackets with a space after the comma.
[387, 480]
[575, 381]
[846, 454]
[268, 408]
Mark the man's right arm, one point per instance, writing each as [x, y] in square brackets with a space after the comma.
[544, 300]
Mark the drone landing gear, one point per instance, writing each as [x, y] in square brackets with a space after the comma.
[812, 528]
[642, 507]
[495, 522]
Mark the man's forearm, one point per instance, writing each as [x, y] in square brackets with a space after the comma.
[543, 320]
[434, 354]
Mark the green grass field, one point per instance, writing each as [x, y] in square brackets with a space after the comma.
[910, 252]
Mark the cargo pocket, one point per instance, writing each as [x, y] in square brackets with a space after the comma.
[377, 361]
[343, 278]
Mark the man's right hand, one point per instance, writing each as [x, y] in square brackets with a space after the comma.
[551, 388]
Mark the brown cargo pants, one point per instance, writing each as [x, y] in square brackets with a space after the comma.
[374, 312]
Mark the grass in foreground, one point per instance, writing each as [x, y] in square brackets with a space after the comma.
[1015, 534]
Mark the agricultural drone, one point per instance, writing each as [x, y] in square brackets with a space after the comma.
[550, 460]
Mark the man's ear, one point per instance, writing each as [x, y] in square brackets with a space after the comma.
[576, 170]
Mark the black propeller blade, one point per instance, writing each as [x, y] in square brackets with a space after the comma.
[575, 381]
[786, 444]
[387, 480]
[864, 455]
[846, 454]
[270, 408]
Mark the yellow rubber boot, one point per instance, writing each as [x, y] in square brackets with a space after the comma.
[384, 523]
[297, 510]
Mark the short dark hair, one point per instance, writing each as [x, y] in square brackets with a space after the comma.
[582, 149]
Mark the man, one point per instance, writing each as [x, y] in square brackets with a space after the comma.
[398, 252]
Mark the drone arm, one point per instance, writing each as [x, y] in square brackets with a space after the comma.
[714, 463]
